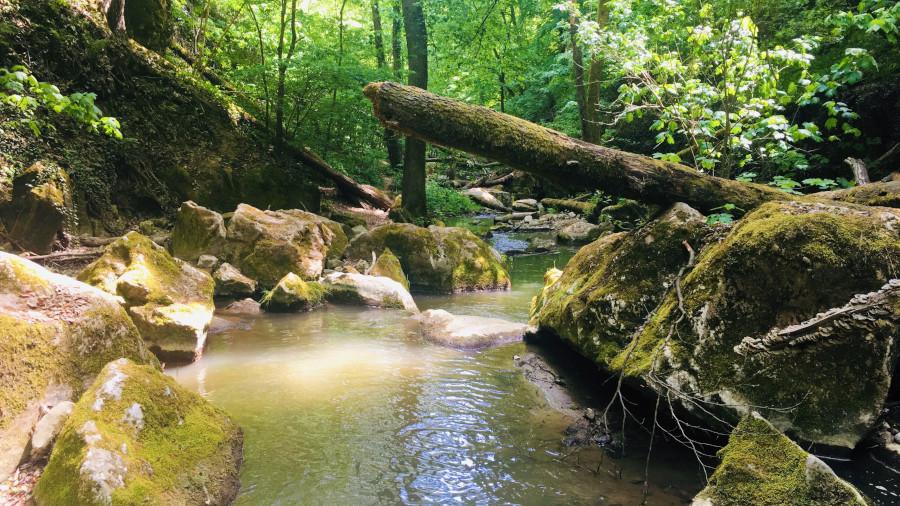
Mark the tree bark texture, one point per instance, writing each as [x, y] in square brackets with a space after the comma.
[414, 156]
[391, 141]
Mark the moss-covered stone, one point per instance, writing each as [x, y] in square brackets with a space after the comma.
[267, 245]
[198, 231]
[37, 212]
[292, 293]
[230, 282]
[171, 302]
[436, 259]
[137, 437]
[388, 265]
[762, 467]
[610, 286]
[782, 264]
[56, 334]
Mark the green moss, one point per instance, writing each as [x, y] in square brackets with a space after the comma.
[761, 466]
[388, 265]
[292, 293]
[181, 451]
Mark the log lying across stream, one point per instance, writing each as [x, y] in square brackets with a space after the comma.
[532, 148]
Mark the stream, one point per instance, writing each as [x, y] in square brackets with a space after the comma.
[347, 405]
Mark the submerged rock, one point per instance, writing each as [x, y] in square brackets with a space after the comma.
[138, 437]
[760, 465]
[436, 259]
[388, 265]
[292, 293]
[267, 245]
[724, 338]
[198, 231]
[468, 332]
[231, 283]
[56, 334]
[377, 291]
[170, 301]
[242, 307]
[36, 214]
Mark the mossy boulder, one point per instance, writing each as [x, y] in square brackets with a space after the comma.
[761, 466]
[198, 231]
[231, 283]
[375, 291]
[388, 265]
[607, 289]
[170, 301]
[137, 437]
[37, 211]
[292, 293]
[56, 334]
[267, 245]
[436, 259]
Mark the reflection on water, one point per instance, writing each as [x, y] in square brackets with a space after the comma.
[349, 406]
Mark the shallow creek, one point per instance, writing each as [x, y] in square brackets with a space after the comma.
[347, 405]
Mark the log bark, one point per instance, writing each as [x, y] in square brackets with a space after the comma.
[569, 205]
[571, 162]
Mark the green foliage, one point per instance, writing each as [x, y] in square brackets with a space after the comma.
[446, 202]
[725, 215]
[26, 95]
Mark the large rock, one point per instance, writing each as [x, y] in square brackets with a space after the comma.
[388, 265]
[137, 437]
[436, 259]
[580, 232]
[48, 428]
[198, 231]
[725, 338]
[292, 293]
[170, 301]
[485, 198]
[376, 291]
[56, 334]
[267, 245]
[231, 283]
[36, 214]
[762, 466]
[468, 332]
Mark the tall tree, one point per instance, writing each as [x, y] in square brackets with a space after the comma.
[283, 61]
[414, 156]
[395, 155]
[578, 67]
[591, 123]
[396, 45]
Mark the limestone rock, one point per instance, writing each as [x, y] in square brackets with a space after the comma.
[242, 307]
[436, 259]
[468, 332]
[760, 465]
[207, 262]
[388, 265]
[267, 245]
[170, 301]
[56, 334]
[36, 213]
[580, 232]
[198, 231]
[485, 198]
[138, 437]
[292, 293]
[376, 291]
[525, 205]
[48, 428]
[231, 283]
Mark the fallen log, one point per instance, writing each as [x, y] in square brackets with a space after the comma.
[503, 218]
[355, 192]
[569, 205]
[532, 148]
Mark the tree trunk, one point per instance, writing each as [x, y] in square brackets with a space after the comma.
[592, 95]
[578, 71]
[532, 148]
[414, 159]
[395, 155]
[115, 15]
[282, 67]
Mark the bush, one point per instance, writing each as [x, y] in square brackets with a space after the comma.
[444, 202]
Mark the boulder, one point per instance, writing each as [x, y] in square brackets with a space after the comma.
[48, 428]
[267, 245]
[242, 307]
[485, 198]
[388, 265]
[436, 259]
[376, 291]
[170, 301]
[743, 330]
[231, 283]
[138, 437]
[207, 262]
[525, 205]
[760, 465]
[467, 332]
[292, 293]
[36, 213]
[56, 334]
[580, 232]
[197, 231]
[540, 244]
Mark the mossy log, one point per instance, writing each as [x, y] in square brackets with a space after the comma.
[577, 206]
[532, 148]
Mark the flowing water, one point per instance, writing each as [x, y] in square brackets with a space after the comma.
[347, 405]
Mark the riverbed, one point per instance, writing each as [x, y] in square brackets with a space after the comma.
[348, 405]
